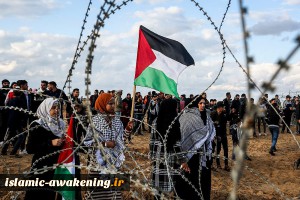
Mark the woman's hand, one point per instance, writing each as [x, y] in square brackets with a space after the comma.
[57, 142]
[185, 167]
[110, 144]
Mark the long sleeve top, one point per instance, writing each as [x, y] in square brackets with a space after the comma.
[220, 121]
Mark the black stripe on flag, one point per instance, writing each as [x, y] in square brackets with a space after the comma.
[168, 47]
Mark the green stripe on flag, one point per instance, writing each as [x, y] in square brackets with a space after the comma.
[62, 173]
[157, 80]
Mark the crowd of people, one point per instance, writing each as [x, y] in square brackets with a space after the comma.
[189, 142]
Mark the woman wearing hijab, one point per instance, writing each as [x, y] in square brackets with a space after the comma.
[163, 181]
[111, 134]
[197, 134]
[45, 138]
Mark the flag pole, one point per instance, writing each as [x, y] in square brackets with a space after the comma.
[132, 104]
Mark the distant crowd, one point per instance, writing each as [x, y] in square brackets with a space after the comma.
[146, 108]
[201, 127]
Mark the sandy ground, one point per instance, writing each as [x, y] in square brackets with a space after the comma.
[264, 174]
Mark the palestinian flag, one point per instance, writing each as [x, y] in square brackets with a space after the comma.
[66, 170]
[159, 62]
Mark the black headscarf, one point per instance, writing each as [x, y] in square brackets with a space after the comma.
[167, 113]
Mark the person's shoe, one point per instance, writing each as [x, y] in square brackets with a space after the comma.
[254, 135]
[23, 152]
[259, 134]
[265, 134]
[272, 153]
[3, 153]
[227, 168]
[219, 167]
[274, 149]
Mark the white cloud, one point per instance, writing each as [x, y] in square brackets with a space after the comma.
[36, 56]
[26, 48]
[275, 27]
[227, 87]
[28, 8]
[273, 22]
[155, 2]
[167, 20]
[279, 14]
[292, 2]
[7, 66]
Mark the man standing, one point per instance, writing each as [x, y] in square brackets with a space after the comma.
[128, 100]
[220, 120]
[277, 100]
[74, 100]
[93, 99]
[287, 111]
[40, 96]
[17, 121]
[138, 115]
[153, 110]
[273, 122]
[182, 102]
[236, 103]
[204, 96]
[297, 115]
[227, 103]
[3, 112]
[21, 99]
[243, 105]
[118, 102]
[57, 93]
[27, 98]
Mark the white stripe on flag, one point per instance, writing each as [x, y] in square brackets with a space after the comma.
[170, 67]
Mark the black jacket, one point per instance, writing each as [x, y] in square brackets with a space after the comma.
[220, 121]
[227, 104]
[272, 116]
[16, 119]
[236, 104]
[233, 118]
[298, 111]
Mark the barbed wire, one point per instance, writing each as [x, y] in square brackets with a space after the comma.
[249, 118]
[78, 50]
[251, 84]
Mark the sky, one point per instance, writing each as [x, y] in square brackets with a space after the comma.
[38, 41]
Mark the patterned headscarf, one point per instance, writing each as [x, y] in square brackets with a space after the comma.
[102, 101]
[195, 135]
[53, 124]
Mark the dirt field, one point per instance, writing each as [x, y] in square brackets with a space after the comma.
[255, 184]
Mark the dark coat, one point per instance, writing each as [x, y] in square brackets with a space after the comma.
[16, 119]
[272, 117]
[166, 115]
[220, 123]
[40, 144]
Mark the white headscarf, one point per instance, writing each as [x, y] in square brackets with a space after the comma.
[53, 124]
